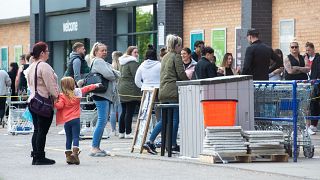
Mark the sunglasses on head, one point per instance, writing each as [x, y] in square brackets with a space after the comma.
[294, 47]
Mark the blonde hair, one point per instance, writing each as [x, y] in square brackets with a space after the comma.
[68, 86]
[172, 41]
[95, 49]
[115, 59]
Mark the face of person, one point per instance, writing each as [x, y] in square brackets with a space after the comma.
[210, 57]
[294, 48]
[22, 61]
[229, 60]
[185, 56]
[249, 39]
[101, 52]
[135, 53]
[45, 55]
[199, 48]
[309, 51]
[81, 51]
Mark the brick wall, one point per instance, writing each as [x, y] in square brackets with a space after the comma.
[208, 14]
[306, 15]
[15, 34]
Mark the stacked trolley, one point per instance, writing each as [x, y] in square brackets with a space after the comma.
[16, 124]
[88, 117]
[284, 105]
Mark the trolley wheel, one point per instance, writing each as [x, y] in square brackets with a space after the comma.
[13, 133]
[308, 151]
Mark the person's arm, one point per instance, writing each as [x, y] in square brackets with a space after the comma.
[247, 62]
[290, 69]
[18, 78]
[59, 104]
[104, 69]
[179, 68]
[89, 88]
[211, 71]
[76, 69]
[138, 78]
[8, 80]
[49, 78]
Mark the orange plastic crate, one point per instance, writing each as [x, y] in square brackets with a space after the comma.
[220, 112]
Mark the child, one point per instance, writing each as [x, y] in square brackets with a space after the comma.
[68, 112]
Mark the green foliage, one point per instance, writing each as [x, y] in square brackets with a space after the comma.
[144, 22]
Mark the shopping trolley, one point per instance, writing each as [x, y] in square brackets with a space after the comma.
[88, 117]
[284, 105]
[16, 124]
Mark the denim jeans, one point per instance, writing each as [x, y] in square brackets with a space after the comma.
[72, 129]
[158, 126]
[114, 109]
[103, 108]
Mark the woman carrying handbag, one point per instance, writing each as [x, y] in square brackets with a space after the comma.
[43, 84]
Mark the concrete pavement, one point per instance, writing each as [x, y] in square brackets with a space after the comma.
[15, 163]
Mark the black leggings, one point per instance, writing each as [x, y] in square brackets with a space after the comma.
[2, 107]
[41, 127]
[125, 124]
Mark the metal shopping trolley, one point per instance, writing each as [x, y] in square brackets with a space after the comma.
[285, 106]
[88, 117]
[16, 124]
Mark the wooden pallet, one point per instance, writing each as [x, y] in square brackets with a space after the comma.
[244, 158]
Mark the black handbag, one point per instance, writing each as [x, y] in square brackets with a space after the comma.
[93, 78]
[40, 105]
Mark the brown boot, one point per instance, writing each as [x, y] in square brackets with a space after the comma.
[75, 154]
[69, 158]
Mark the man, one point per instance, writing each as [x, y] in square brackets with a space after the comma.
[21, 81]
[257, 57]
[196, 54]
[205, 68]
[5, 83]
[313, 60]
[77, 66]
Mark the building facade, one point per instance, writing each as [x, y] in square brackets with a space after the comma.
[14, 40]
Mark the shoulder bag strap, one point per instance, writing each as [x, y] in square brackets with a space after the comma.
[36, 78]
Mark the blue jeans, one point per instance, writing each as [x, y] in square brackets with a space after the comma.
[114, 108]
[72, 129]
[158, 126]
[103, 108]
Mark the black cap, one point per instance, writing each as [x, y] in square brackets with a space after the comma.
[253, 32]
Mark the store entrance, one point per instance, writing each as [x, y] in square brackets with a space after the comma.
[61, 52]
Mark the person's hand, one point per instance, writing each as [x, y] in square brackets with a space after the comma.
[220, 71]
[98, 85]
[238, 69]
[80, 83]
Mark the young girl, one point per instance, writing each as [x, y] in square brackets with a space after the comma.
[68, 106]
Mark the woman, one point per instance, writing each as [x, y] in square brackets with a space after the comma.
[294, 64]
[148, 73]
[171, 71]
[102, 100]
[116, 106]
[188, 63]
[13, 71]
[130, 94]
[227, 66]
[276, 74]
[46, 87]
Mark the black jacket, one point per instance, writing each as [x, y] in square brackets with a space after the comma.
[195, 56]
[315, 67]
[257, 61]
[205, 69]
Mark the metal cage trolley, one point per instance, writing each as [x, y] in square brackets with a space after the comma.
[285, 106]
[88, 117]
[16, 124]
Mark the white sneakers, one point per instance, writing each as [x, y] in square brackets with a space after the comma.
[125, 136]
[309, 130]
[313, 128]
[128, 136]
[121, 135]
[62, 132]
